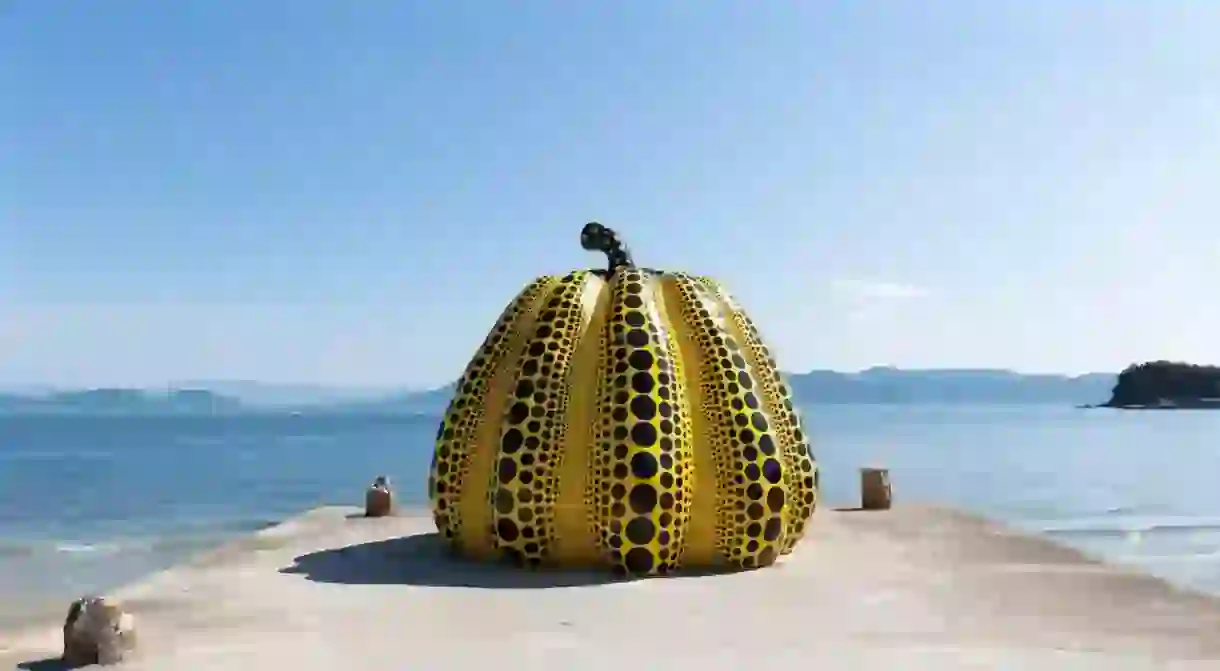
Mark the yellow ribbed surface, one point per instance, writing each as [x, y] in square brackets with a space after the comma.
[636, 422]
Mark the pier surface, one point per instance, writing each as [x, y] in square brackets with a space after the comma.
[916, 587]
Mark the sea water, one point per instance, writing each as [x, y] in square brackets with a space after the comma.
[87, 503]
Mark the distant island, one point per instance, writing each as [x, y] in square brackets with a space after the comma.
[1166, 385]
[874, 386]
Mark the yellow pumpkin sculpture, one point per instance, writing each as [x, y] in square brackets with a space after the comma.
[627, 417]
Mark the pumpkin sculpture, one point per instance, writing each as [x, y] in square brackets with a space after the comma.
[627, 417]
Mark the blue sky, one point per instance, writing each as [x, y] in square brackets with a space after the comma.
[349, 193]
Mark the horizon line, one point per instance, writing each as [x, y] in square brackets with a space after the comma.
[187, 384]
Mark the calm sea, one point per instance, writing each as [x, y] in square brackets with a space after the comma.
[87, 503]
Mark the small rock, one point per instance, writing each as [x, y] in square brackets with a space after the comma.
[97, 631]
[378, 500]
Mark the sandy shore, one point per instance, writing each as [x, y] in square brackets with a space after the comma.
[914, 588]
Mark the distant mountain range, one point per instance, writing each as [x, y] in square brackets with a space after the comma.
[950, 385]
[872, 386]
[120, 401]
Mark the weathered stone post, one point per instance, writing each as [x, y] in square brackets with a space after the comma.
[97, 631]
[378, 500]
[875, 492]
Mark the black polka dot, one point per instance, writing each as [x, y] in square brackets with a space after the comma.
[772, 529]
[635, 319]
[771, 470]
[766, 444]
[506, 529]
[508, 470]
[511, 442]
[643, 465]
[642, 382]
[644, 434]
[775, 499]
[640, 531]
[638, 560]
[640, 359]
[643, 498]
[759, 422]
[518, 413]
[637, 338]
[504, 501]
[643, 407]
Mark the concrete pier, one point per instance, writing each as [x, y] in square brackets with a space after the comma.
[910, 588]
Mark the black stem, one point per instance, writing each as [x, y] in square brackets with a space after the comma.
[597, 238]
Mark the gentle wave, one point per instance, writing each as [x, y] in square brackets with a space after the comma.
[1181, 557]
[81, 548]
[210, 536]
[19, 549]
[1117, 525]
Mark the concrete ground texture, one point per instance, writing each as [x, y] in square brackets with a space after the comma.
[917, 587]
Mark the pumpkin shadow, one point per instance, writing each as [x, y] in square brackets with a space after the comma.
[426, 560]
[48, 664]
